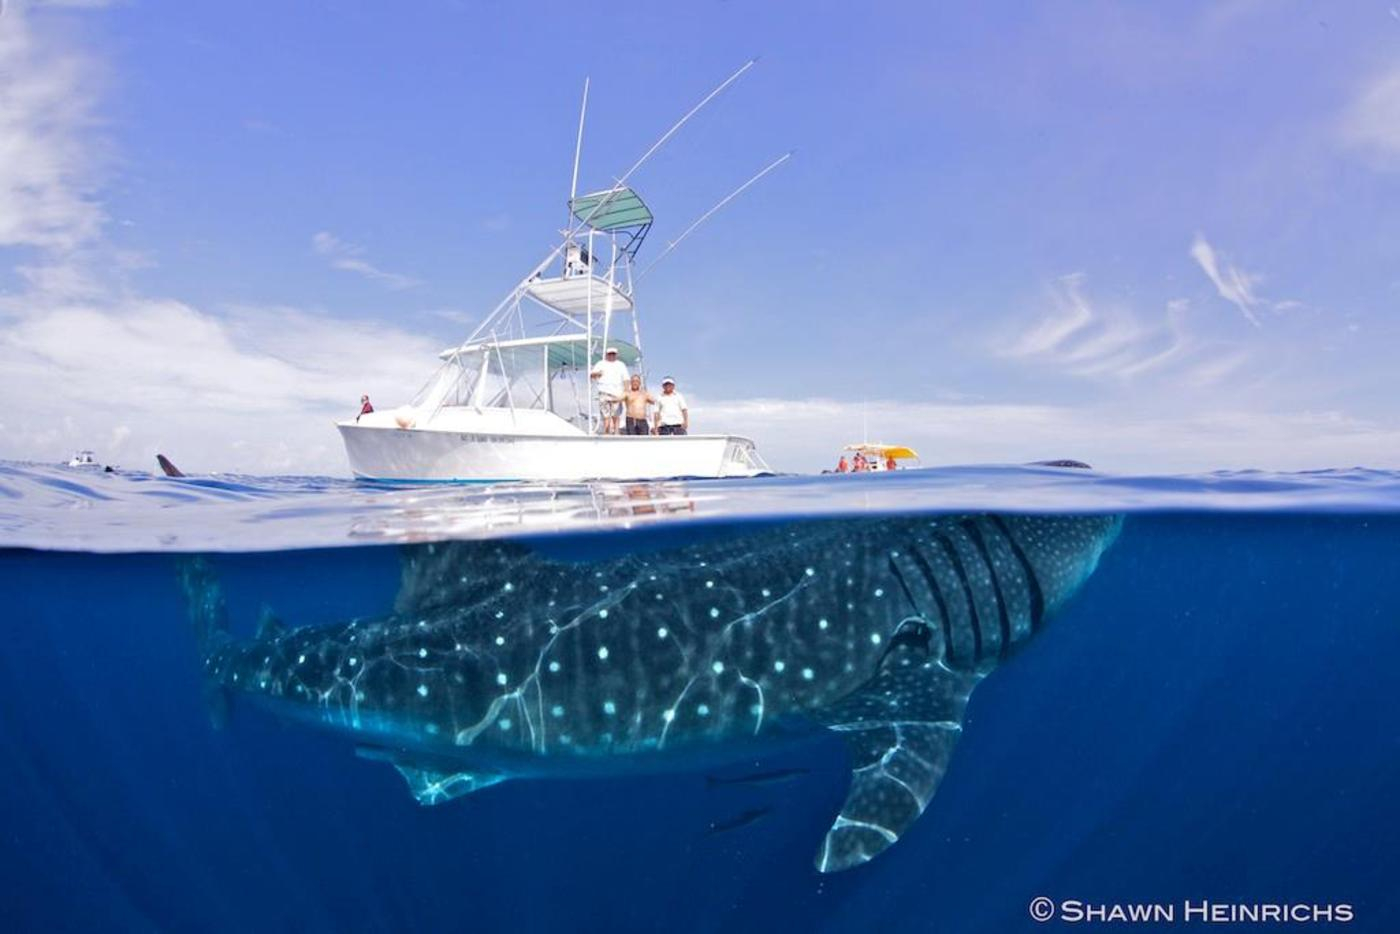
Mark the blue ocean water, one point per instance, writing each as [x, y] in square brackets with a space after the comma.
[1212, 718]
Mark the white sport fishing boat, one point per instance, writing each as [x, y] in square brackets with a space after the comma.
[515, 402]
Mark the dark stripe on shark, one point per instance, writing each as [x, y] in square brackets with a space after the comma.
[927, 570]
[1032, 582]
[1003, 621]
[904, 586]
[975, 621]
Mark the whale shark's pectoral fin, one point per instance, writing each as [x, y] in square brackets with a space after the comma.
[431, 783]
[901, 729]
[429, 787]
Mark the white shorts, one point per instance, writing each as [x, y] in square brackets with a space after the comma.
[609, 405]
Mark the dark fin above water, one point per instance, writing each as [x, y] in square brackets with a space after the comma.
[900, 729]
[742, 819]
[169, 469]
[775, 777]
[430, 783]
[1064, 462]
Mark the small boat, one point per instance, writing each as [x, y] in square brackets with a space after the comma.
[515, 401]
[877, 457]
[84, 459]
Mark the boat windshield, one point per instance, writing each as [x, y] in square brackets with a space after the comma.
[548, 373]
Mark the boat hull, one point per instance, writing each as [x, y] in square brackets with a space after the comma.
[384, 453]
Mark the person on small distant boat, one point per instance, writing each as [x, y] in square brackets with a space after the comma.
[860, 463]
[842, 466]
[611, 374]
[672, 415]
[365, 407]
[637, 400]
[890, 464]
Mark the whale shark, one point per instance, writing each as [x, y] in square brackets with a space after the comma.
[511, 659]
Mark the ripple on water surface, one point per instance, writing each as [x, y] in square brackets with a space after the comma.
[65, 509]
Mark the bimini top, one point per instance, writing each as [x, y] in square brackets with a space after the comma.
[898, 452]
[620, 208]
[563, 350]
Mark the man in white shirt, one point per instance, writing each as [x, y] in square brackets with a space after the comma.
[672, 415]
[611, 374]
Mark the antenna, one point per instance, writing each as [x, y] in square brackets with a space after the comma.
[712, 211]
[618, 185]
[602, 202]
[578, 145]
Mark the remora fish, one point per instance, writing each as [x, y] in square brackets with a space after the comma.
[499, 662]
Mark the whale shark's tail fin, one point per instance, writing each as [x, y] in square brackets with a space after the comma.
[204, 596]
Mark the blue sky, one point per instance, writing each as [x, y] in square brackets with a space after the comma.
[1159, 237]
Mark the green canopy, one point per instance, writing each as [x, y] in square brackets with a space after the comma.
[564, 350]
[575, 353]
[621, 207]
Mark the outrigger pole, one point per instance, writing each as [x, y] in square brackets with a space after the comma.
[487, 322]
[712, 211]
[621, 182]
[578, 148]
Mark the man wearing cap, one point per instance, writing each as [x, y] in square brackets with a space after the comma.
[611, 374]
[672, 415]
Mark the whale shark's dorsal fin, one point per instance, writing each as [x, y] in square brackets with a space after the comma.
[900, 728]
[270, 627]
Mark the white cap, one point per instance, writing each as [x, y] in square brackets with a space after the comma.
[610, 350]
[668, 380]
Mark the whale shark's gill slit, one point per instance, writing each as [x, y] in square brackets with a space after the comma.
[927, 570]
[974, 622]
[1032, 581]
[1003, 620]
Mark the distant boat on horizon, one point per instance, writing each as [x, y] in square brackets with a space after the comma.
[84, 459]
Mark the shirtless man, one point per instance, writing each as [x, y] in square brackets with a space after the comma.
[636, 400]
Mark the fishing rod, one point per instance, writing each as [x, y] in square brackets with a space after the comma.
[621, 182]
[712, 211]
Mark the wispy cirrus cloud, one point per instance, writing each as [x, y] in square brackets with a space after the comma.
[1096, 339]
[350, 257]
[1231, 283]
[1370, 123]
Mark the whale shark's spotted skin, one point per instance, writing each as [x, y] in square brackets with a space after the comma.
[500, 662]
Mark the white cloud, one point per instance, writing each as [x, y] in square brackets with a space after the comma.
[46, 161]
[1232, 283]
[1370, 124]
[86, 363]
[253, 390]
[806, 434]
[1088, 338]
[350, 257]
[455, 315]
